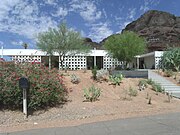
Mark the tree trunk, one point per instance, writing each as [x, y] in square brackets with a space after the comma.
[49, 62]
[61, 60]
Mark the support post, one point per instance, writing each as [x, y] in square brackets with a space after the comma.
[25, 102]
[2, 52]
[137, 62]
[94, 57]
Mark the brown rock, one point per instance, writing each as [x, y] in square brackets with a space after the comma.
[160, 29]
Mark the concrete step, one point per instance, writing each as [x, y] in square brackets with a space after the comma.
[166, 84]
[171, 86]
[172, 91]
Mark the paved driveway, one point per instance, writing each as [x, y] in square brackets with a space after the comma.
[168, 124]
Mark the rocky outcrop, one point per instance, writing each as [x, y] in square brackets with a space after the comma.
[92, 44]
[160, 29]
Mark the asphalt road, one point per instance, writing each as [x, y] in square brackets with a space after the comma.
[168, 124]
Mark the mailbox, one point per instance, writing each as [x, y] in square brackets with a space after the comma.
[23, 83]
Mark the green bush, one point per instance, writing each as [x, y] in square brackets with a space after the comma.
[171, 59]
[94, 73]
[46, 86]
[102, 75]
[150, 81]
[143, 83]
[75, 79]
[116, 79]
[168, 73]
[92, 93]
[157, 87]
[10, 94]
[132, 92]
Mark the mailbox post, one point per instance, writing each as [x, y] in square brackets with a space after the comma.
[24, 85]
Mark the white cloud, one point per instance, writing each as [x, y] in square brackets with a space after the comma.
[87, 10]
[100, 31]
[6, 6]
[132, 13]
[20, 42]
[23, 18]
[104, 12]
[50, 2]
[61, 12]
[145, 7]
[83, 34]
[148, 4]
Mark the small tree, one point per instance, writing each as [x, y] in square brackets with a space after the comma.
[125, 46]
[62, 40]
[45, 43]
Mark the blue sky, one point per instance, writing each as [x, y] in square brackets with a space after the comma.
[22, 20]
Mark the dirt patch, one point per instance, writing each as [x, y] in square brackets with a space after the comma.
[114, 103]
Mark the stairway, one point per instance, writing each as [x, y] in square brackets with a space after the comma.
[168, 86]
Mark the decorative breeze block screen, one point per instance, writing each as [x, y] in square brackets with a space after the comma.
[109, 62]
[23, 58]
[74, 62]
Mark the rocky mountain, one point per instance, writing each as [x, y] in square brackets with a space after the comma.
[160, 29]
[92, 44]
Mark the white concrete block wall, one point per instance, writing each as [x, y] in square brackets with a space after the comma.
[157, 62]
[25, 58]
[74, 62]
[157, 56]
[109, 62]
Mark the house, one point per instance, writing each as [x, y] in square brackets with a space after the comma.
[97, 58]
[149, 60]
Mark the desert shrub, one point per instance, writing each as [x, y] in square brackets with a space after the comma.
[168, 73]
[143, 83]
[92, 93]
[102, 74]
[46, 86]
[94, 73]
[75, 79]
[10, 94]
[157, 87]
[116, 79]
[132, 92]
[150, 81]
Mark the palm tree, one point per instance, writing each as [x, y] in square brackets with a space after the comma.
[25, 45]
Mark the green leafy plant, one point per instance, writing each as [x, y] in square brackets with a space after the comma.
[75, 79]
[116, 79]
[142, 84]
[150, 81]
[125, 46]
[168, 73]
[132, 92]
[94, 73]
[92, 93]
[157, 87]
[171, 60]
[102, 75]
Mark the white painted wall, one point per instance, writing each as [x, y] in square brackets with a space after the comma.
[149, 62]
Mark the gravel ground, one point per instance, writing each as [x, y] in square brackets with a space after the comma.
[111, 105]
